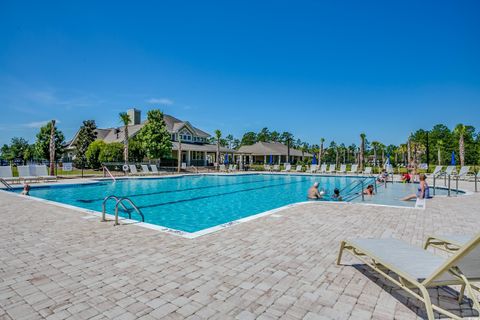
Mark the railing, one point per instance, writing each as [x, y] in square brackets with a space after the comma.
[355, 192]
[119, 201]
[105, 169]
[6, 184]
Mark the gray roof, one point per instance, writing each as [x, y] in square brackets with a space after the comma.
[271, 148]
[116, 134]
[201, 147]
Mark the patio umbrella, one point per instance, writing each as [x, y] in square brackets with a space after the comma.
[271, 159]
[314, 160]
[453, 159]
[388, 159]
[226, 158]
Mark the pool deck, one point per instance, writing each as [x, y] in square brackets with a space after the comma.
[58, 263]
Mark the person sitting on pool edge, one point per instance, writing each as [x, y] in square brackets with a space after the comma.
[423, 190]
[336, 195]
[369, 190]
[313, 193]
[406, 178]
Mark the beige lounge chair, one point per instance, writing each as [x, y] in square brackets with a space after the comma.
[415, 268]
[448, 243]
[222, 168]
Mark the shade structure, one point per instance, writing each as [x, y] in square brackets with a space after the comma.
[271, 159]
[314, 159]
[453, 162]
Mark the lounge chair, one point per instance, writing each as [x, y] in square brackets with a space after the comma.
[331, 168]
[437, 170]
[313, 168]
[154, 169]
[184, 166]
[451, 170]
[323, 168]
[353, 169]
[368, 171]
[267, 167]
[448, 243]
[42, 172]
[298, 168]
[276, 167]
[6, 174]
[27, 173]
[343, 169]
[222, 168]
[288, 167]
[415, 268]
[133, 169]
[462, 174]
[145, 169]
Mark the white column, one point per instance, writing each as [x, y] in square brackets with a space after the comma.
[188, 157]
[205, 158]
[265, 159]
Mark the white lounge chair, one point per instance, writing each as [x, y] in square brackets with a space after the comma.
[415, 268]
[353, 169]
[437, 170]
[222, 168]
[451, 170]
[288, 167]
[7, 175]
[154, 169]
[42, 172]
[267, 167]
[368, 170]
[133, 169]
[313, 168]
[323, 168]
[27, 173]
[343, 169]
[276, 167]
[298, 168]
[331, 168]
[462, 174]
[184, 166]
[145, 169]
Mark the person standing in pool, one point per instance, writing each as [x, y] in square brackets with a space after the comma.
[369, 190]
[26, 190]
[336, 195]
[313, 193]
[423, 191]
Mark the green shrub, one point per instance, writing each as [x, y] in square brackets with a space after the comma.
[111, 152]
[93, 153]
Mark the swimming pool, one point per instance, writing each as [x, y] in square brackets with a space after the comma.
[197, 202]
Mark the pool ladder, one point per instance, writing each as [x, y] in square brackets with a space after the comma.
[6, 184]
[119, 201]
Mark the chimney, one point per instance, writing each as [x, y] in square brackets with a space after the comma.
[135, 116]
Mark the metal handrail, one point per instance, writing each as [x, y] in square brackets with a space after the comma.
[6, 184]
[104, 205]
[119, 201]
[109, 173]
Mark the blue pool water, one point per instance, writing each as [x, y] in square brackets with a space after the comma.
[193, 203]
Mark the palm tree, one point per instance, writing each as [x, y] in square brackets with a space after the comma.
[439, 151]
[362, 150]
[375, 145]
[125, 119]
[320, 151]
[460, 131]
[218, 136]
[52, 148]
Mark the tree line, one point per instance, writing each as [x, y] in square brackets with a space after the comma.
[434, 146]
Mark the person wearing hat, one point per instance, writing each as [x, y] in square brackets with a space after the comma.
[313, 193]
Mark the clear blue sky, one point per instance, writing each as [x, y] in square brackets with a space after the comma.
[327, 69]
